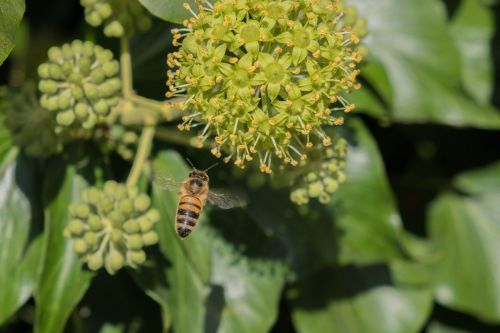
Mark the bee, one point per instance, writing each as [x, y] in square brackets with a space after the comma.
[193, 194]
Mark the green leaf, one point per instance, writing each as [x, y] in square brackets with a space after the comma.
[466, 230]
[436, 327]
[11, 13]
[367, 100]
[364, 205]
[416, 47]
[171, 10]
[361, 225]
[473, 28]
[19, 257]
[207, 283]
[63, 281]
[7, 152]
[358, 299]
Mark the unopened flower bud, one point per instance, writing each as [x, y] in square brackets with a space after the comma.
[72, 84]
[110, 225]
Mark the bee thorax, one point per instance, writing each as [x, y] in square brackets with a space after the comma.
[195, 185]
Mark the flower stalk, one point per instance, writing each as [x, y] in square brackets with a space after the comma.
[142, 154]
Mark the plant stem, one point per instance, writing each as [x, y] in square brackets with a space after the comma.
[166, 110]
[142, 154]
[126, 67]
[172, 135]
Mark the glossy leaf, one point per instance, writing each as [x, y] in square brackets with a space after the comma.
[436, 327]
[358, 299]
[361, 225]
[371, 100]
[364, 205]
[206, 283]
[422, 63]
[19, 257]
[63, 280]
[11, 13]
[473, 29]
[171, 10]
[466, 230]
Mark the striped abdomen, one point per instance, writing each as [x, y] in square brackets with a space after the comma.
[187, 216]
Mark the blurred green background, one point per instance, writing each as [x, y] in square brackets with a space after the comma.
[410, 243]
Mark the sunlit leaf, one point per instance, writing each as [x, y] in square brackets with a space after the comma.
[11, 13]
[473, 29]
[19, 256]
[360, 225]
[436, 327]
[364, 205]
[63, 280]
[358, 299]
[422, 63]
[466, 229]
[171, 10]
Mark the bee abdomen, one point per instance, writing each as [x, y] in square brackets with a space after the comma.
[188, 213]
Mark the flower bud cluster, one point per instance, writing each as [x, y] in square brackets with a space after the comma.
[123, 141]
[112, 226]
[326, 177]
[263, 77]
[31, 127]
[119, 17]
[79, 83]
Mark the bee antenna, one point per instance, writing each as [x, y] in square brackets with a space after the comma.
[210, 167]
[190, 163]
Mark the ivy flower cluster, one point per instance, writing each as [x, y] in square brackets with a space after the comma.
[263, 77]
[111, 226]
[119, 17]
[326, 177]
[79, 83]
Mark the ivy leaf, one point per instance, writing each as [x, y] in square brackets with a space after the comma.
[364, 299]
[364, 205]
[415, 46]
[473, 28]
[207, 283]
[19, 255]
[63, 281]
[465, 228]
[372, 102]
[11, 13]
[361, 225]
[436, 327]
[171, 10]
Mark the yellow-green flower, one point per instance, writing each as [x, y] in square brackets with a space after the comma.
[263, 77]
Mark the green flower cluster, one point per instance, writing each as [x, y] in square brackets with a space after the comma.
[79, 83]
[31, 127]
[119, 17]
[123, 141]
[265, 76]
[326, 177]
[111, 227]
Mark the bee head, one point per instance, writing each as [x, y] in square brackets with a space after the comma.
[201, 175]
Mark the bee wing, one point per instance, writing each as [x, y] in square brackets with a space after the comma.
[167, 182]
[227, 198]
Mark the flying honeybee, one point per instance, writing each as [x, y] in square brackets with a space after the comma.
[193, 193]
